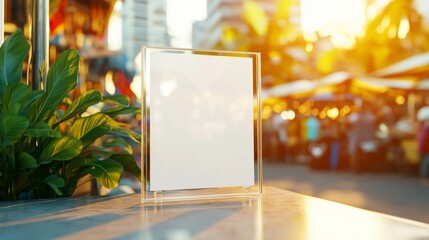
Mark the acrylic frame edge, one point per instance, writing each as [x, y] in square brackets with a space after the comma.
[150, 197]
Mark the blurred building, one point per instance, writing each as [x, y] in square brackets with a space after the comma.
[144, 23]
[222, 14]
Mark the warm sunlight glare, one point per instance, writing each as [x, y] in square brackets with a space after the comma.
[109, 84]
[318, 212]
[340, 20]
[114, 29]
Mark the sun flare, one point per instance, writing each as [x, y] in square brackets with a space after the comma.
[340, 20]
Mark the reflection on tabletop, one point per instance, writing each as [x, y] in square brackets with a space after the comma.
[279, 214]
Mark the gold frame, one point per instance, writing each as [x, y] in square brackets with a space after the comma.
[151, 197]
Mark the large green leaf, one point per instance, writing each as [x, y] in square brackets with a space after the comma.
[33, 96]
[117, 99]
[41, 129]
[90, 128]
[126, 132]
[12, 55]
[108, 172]
[11, 129]
[82, 103]
[25, 160]
[12, 109]
[113, 112]
[116, 143]
[15, 93]
[96, 152]
[55, 183]
[77, 164]
[129, 164]
[62, 78]
[61, 149]
[118, 129]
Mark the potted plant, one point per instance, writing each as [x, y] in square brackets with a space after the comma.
[47, 141]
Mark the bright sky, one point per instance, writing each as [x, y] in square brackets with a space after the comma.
[329, 16]
[340, 19]
[180, 16]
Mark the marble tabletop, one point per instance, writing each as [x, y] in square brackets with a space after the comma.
[279, 214]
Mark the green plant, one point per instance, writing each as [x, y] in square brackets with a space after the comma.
[47, 141]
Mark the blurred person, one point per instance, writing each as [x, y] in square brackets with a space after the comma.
[268, 133]
[321, 149]
[343, 142]
[423, 145]
[334, 144]
[312, 127]
[362, 138]
[352, 142]
[292, 143]
[280, 125]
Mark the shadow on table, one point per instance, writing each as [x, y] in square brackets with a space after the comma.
[187, 219]
[53, 218]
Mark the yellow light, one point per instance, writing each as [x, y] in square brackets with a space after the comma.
[255, 15]
[109, 84]
[309, 47]
[284, 115]
[333, 113]
[392, 32]
[302, 109]
[375, 8]
[229, 35]
[380, 29]
[136, 86]
[114, 29]
[266, 113]
[277, 108]
[322, 115]
[10, 27]
[342, 40]
[404, 28]
[400, 100]
[345, 110]
[385, 22]
[310, 37]
[291, 115]
[288, 115]
[275, 57]
[281, 23]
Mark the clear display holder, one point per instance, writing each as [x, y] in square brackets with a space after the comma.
[201, 125]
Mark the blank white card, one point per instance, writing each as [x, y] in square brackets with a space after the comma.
[201, 121]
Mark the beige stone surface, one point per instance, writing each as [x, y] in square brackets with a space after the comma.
[279, 214]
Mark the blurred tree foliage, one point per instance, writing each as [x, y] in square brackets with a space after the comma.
[386, 40]
[397, 32]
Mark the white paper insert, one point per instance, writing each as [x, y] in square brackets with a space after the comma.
[201, 121]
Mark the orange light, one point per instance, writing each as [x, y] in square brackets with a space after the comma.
[400, 100]
[315, 112]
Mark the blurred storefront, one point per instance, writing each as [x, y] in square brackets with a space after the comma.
[107, 34]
